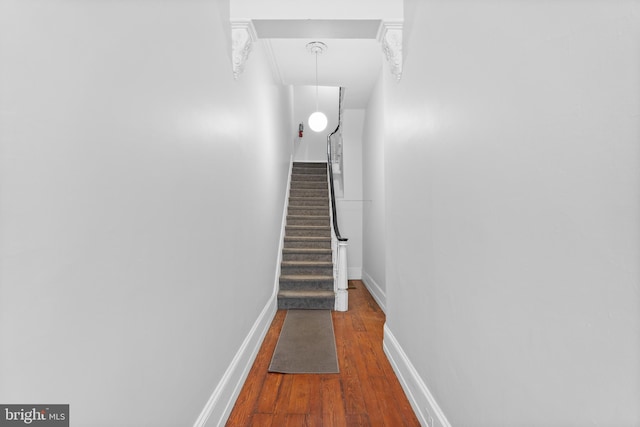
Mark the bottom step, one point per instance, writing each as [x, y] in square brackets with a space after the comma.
[306, 300]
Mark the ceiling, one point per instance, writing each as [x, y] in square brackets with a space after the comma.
[353, 58]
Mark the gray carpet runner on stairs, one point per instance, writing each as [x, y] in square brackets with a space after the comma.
[306, 277]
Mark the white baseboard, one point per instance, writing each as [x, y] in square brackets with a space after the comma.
[422, 401]
[220, 404]
[354, 273]
[375, 290]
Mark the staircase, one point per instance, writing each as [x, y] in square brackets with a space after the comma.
[306, 276]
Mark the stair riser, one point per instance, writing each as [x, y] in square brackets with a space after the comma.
[298, 170]
[308, 192]
[295, 185]
[308, 177]
[311, 164]
[306, 303]
[308, 210]
[316, 222]
[311, 285]
[307, 245]
[306, 257]
[308, 201]
[310, 232]
[307, 270]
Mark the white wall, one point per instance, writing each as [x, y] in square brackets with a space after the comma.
[134, 259]
[350, 204]
[312, 147]
[512, 170]
[373, 182]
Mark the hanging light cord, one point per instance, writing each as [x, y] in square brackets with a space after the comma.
[317, 108]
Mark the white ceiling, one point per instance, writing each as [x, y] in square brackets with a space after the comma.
[352, 64]
[353, 58]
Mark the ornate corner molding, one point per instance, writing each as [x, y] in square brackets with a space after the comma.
[243, 35]
[390, 38]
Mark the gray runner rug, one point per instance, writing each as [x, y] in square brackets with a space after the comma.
[306, 344]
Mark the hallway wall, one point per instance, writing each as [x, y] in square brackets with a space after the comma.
[350, 204]
[373, 183]
[312, 147]
[142, 193]
[512, 170]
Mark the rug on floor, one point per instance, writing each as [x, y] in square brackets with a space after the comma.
[306, 345]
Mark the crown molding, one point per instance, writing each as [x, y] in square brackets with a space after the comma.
[390, 38]
[243, 35]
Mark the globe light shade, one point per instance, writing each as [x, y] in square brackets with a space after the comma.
[318, 121]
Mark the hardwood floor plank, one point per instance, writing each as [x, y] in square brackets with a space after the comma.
[261, 420]
[344, 342]
[333, 410]
[300, 395]
[314, 418]
[269, 393]
[368, 353]
[295, 420]
[284, 394]
[388, 406]
[372, 405]
[357, 323]
[353, 399]
[358, 420]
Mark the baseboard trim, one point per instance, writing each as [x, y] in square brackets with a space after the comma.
[220, 404]
[422, 401]
[375, 290]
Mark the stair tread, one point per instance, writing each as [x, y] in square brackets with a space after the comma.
[311, 238]
[314, 227]
[308, 197]
[307, 250]
[314, 263]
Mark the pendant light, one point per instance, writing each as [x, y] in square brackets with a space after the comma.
[317, 120]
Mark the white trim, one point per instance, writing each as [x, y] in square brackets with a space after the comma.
[219, 405]
[243, 36]
[375, 290]
[342, 283]
[355, 273]
[390, 38]
[424, 404]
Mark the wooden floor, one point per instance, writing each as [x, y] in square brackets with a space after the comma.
[366, 392]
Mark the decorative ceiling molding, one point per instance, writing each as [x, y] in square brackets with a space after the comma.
[390, 38]
[243, 35]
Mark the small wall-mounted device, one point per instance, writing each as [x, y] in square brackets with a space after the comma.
[300, 130]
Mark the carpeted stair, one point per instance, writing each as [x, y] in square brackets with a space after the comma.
[306, 277]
